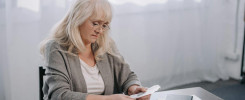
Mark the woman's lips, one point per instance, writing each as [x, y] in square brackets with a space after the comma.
[95, 36]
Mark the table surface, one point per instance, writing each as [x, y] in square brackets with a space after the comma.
[198, 91]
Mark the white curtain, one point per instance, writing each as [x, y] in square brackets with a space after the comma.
[166, 42]
[179, 41]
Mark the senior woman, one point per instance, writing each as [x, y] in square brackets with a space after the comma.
[81, 60]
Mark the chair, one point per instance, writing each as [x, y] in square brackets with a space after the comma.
[41, 75]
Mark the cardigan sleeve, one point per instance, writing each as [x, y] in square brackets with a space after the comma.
[57, 84]
[132, 78]
[125, 77]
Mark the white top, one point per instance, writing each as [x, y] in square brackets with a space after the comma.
[93, 79]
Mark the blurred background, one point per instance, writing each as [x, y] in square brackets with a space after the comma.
[167, 42]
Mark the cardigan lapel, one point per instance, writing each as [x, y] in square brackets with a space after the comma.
[77, 72]
[82, 79]
[105, 72]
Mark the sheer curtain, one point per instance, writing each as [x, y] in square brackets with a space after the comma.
[25, 24]
[179, 41]
[166, 42]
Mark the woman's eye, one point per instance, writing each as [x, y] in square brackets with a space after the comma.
[105, 26]
[95, 23]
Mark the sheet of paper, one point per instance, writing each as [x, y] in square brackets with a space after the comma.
[149, 91]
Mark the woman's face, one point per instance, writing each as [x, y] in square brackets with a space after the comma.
[92, 29]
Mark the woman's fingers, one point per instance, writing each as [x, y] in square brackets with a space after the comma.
[143, 89]
[140, 89]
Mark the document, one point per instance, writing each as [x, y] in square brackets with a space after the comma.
[149, 91]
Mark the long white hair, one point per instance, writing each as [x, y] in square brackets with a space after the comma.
[66, 32]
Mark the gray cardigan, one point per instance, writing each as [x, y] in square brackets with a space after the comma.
[65, 81]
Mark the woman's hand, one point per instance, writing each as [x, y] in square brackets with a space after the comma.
[119, 97]
[134, 89]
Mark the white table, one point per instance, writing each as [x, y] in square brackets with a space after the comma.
[198, 91]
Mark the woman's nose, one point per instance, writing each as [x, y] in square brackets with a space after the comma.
[99, 30]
